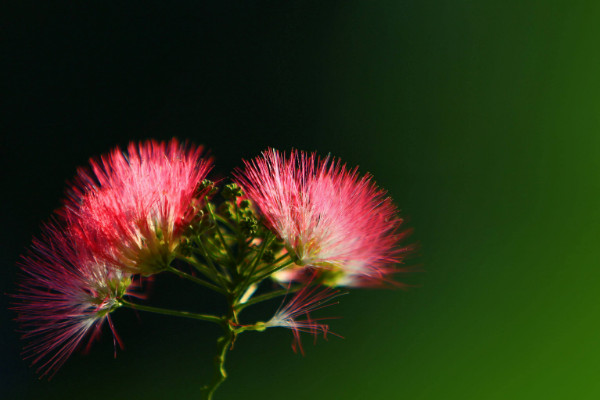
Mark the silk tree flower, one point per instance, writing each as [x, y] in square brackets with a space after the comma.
[329, 217]
[295, 314]
[64, 296]
[133, 206]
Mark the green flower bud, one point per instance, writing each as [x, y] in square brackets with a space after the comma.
[249, 226]
[231, 191]
[268, 256]
[244, 204]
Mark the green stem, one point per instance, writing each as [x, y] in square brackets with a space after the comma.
[269, 273]
[224, 343]
[240, 237]
[203, 269]
[165, 311]
[194, 279]
[237, 212]
[268, 296]
[225, 222]
[219, 273]
[248, 280]
[258, 327]
[281, 258]
[219, 233]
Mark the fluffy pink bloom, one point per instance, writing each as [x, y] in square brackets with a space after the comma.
[328, 216]
[133, 206]
[295, 314]
[64, 296]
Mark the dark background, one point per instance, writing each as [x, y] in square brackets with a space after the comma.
[480, 118]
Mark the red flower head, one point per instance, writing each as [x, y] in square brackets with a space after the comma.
[133, 206]
[65, 294]
[329, 217]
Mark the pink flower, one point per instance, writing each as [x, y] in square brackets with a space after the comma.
[307, 300]
[329, 217]
[132, 207]
[64, 296]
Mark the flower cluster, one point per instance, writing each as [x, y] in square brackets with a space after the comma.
[329, 217]
[306, 222]
[65, 293]
[131, 208]
[124, 215]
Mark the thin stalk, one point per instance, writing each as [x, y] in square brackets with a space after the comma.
[248, 293]
[175, 313]
[255, 262]
[258, 327]
[240, 238]
[268, 296]
[237, 212]
[212, 214]
[218, 271]
[224, 343]
[278, 268]
[203, 269]
[196, 280]
[225, 222]
[281, 258]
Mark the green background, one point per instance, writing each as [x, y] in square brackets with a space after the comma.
[480, 119]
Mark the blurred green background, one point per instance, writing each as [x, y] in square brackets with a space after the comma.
[480, 118]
